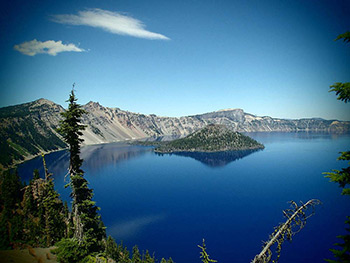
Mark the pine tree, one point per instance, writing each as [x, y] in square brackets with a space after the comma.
[11, 222]
[88, 230]
[43, 211]
[136, 256]
[148, 258]
[112, 249]
[54, 214]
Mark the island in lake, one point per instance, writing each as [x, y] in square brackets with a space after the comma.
[212, 138]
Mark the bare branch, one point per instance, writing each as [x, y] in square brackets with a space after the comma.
[296, 217]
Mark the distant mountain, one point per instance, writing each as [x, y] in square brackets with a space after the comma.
[212, 138]
[28, 129]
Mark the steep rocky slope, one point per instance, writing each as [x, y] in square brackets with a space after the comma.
[27, 129]
[113, 124]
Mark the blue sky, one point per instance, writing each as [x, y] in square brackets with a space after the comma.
[178, 58]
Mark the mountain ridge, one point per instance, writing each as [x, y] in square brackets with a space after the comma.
[30, 128]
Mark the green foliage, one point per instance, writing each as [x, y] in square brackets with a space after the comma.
[136, 256]
[342, 90]
[70, 250]
[54, 214]
[71, 130]
[345, 37]
[204, 255]
[43, 212]
[147, 258]
[342, 177]
[343, 253]
[11, 221]
[112, 249]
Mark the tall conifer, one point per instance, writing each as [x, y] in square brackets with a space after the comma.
[88, 228]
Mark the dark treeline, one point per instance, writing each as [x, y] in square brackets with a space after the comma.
[34, 215]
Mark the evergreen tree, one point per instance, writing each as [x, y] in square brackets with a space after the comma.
[136, 256]
[11, 222]
[124, 254]
[88, 230]
[112, 249]
[54, 214]
[148, 258]
[43, 211]
[31, 226]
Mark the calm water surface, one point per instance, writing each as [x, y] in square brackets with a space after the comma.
[169, 203]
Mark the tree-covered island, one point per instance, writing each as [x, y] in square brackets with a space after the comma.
[212, 138]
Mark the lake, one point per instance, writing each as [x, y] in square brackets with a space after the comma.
[169, 203]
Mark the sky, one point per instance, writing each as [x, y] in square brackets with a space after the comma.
[178, 58]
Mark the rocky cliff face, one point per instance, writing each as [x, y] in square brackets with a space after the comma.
[113, 124]
[27, 129]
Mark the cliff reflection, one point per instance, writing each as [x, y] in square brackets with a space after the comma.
[97, 156]
[217, 159]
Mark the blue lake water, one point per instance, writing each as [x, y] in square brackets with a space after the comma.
[169, 203]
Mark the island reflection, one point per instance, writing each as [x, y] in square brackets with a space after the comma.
[215, 159]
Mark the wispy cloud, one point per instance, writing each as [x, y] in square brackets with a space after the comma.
[112, 22]
[131, 227]
[50, 47]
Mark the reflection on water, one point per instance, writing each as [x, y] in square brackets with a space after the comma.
[95, 157]
[216, 159]
[98, 156]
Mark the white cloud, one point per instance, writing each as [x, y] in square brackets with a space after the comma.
[51, 47]
[112, 22]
